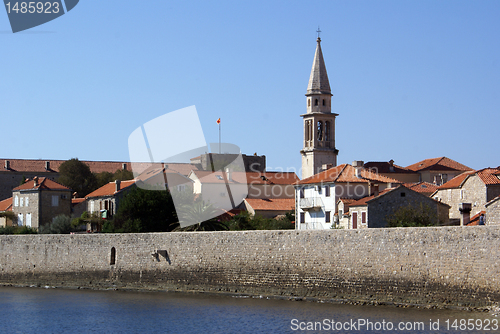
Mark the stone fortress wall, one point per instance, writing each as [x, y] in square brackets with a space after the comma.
[452, 266]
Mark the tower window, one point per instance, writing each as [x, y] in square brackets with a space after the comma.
[327, 131]
[323, 101]
[320, 130]
[308, 102]
[316, 102]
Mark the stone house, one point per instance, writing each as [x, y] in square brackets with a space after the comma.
[373, 211]
[342, 214]
[474, 187]
[106, 199]
[389, 169]
[438, 170]
[316, 197]
[38, 201]
[493, 211]
[5, 206]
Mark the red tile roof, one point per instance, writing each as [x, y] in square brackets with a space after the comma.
[6, 205]
[364, 200]
[422, 187]
[346, 173]
[43, 183]
[474, 220]
[385, 167]
[271, 204]
[438, 164]
[282, 178]
[487, 175]
[75, 201]
[109, 189]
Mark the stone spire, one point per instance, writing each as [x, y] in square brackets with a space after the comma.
[318, 81]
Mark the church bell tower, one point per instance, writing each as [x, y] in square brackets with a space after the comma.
[319, 122]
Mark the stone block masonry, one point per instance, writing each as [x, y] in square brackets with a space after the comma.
[446, 266]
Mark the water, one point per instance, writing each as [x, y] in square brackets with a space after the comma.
[35, 310]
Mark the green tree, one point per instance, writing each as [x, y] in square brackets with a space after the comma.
[77, 176]
[144, 211]
[123, 175]
[59, 225]
[244, 221]
[412, 216]
[201, 212]
[103, 178]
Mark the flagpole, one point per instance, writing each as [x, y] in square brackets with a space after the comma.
[219, 138]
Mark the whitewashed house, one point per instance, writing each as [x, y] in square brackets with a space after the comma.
[316, 197]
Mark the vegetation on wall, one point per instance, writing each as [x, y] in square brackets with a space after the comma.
[244, 221]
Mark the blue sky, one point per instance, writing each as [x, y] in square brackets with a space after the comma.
[411, 79]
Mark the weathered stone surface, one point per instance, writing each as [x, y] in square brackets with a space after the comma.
[442, 266]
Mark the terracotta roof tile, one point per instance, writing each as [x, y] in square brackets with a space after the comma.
[346, 173]
[422, 187]
[442, 163]
[364, 200]
[6, 205]
[271, 204]
[43, 183]
[75, 201]
[474, 220]
[109, 189]
[487, 175]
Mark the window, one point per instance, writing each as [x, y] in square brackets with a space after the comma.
[55, 200]
[327, 191]
[327, 216]
[319, 189]
[302, 217]
[91, 206]
[320, 130]
[28, 219]
[112, 258]
[445, 178]
[354, 220]
[26, 200]
[20, 219]
[340, 214]
[462, 194]
[308, 102]
[316, 102]
[327, 131]
[403, 194]
[16, 201]
[363, 218]
[181, 187]
[323, 101]
[301, 192]
[21, 202]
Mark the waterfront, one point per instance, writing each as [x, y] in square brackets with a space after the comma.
[39, 310]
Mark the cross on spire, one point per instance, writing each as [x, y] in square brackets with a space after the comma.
[318, 31]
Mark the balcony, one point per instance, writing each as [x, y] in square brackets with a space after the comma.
[311, 203]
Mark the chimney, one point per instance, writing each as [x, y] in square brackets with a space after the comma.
[124, 166]
[391, 165]
[358, 167]
[7, 164]
[35, 181]
[465, 209]
[47, 165]
[229, 174]
[117, 185]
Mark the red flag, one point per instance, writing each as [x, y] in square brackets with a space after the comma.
[218, 121]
